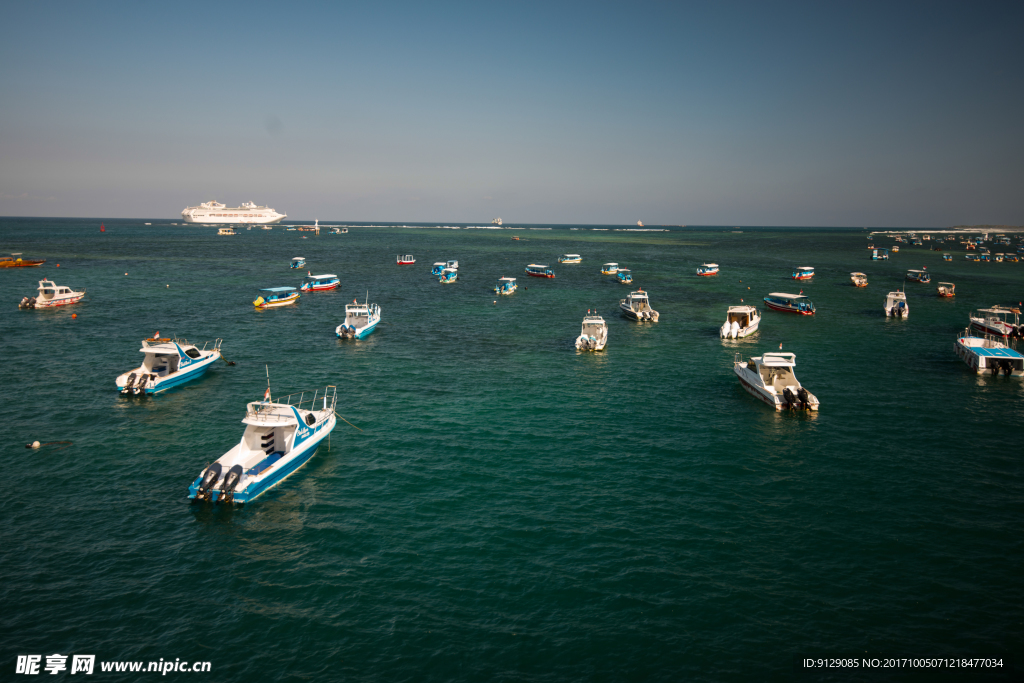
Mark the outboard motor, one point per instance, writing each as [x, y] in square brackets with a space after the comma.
[724, 332]
[27, 302]
[128, 384]
[735, 329]
[210, 477]
[231, 480]
[141, 386]
[791, 397]
[804, 397]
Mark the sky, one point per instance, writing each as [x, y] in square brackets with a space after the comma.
[710, 113]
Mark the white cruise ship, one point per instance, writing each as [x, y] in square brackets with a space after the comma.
[216, 213]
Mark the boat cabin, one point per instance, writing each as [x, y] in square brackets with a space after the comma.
[740, 314]
[776, 370]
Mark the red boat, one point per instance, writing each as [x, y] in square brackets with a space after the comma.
[406, 260]
[803, 273]
[319, 283]
[535, 270]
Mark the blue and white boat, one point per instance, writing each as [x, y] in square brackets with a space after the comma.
[707, 269]
[280, 436]
[168, 363]
[319, 283]
[985, 353]
[447, 276]
[919, 276]
[437, 268]
[789, 303]
[298, 262]
[506, 285]
[879, 254]
[360, 320]
[624, 276]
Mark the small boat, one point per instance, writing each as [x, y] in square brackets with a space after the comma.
[879, 254]
[972, 257]
[947, 289]
[609, 269]
[637, 307]
[570, 258]
[998, 321]
[896, 305]
[859, 279]
[52, 295]
[506, 285]
[624, 276]
[770, 378]
[447, 276]
[344, 231]
[298, 262]
[276, 296]
[998, 258]
[536, 270]
[406, 259]
[593, 335]
[515, 239]
[319, 283]
[12, 262]
[947, 257]
[895, 249]
[740, 321]
[227, 231]
[453, 264]
[919, 276]
[981, 354]
[789, 303]
[803, 273]
[437, 268]
[360, 320]
[167, 363]
[1011, 258]
[708, 269]
[280, 436]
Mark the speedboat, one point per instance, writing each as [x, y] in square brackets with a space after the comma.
[593, 335]
[708, 269]
[879, 254]
[740, 321]
[947, 289]
[227, 231]
[789, 303]
[447, 276]
[276, 296]
[803, 273]
[859, 279]
[609, 269]
[280, 436]
[319, 283]
[506, 285]
[947, 257]
[12, 262]
[405, 259]
[570, 258]
[896, 305]
[298, 262]
[919, 276]
[51, 295]
[998, 321]
[624, 276]
[983, 354]
[637, 307]
[536, 270]
[437, 268]
[770, 378]
[168, 363]
[360, 320]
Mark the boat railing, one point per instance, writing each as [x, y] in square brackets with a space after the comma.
[181, 341]
[320, 399]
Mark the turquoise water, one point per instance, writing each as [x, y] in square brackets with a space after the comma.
[512, 509]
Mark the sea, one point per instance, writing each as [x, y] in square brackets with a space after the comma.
[504, 507]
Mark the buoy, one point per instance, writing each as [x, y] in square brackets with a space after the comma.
[126, 273]
[34, 444]
[74, 315]
[58, 265]
[168, 285]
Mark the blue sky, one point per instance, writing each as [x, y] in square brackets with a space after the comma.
[671, 113]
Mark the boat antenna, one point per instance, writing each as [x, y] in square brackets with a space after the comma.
[267, 395]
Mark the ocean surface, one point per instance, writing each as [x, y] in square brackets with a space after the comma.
[512, 510]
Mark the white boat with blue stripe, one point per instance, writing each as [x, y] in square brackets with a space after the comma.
[280, 437]
[168, 363]
[360, 320]
[987, 354]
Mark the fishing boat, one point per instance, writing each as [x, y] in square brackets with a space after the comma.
[360, 320]
[570, 258]
[168, 362]
[985, 353]
[947, 257]
[536, 270]
[405, 259]
[789, 303]
[437, 268]
[280, 436]
[609, 269]
[919, 276]
[947, 289]
[879, 254]
[803, 273]
[859, 279]
[593, 335]
[51, 295]
[227, 231]
[15, 261]
[506, 285]
[276, 296]
[636, 306]
[770, 378]
[708, 269]
[998, 321]
[298, 262]
[740, 321]
[447, 276]
[624, 276]
[319, 283]
[896, 305]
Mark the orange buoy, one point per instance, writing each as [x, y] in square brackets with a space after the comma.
[58, 265]
[74, 315]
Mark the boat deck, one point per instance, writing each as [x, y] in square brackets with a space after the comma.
[995, 353]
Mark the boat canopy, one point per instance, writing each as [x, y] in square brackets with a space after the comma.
[299, 258]
[917, 271]
[321, 277]
[506, 279]
[535, 265]
[778, 359]
[571, 256]
[276, 290]
[858, 274]
[709, 265]
[947, 283]
[805, 268]
[782, 295]
[611, 264]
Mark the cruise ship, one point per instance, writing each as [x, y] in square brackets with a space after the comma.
[216, 213]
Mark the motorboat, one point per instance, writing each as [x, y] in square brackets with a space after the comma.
[859, 279]
[998, 258]
[360, 320]
[740, 321]
[167, 363]
[276, 296]
[447, 276]
[298, 262]
[998, 321]
[15, 261]
[51, 295]
[947, 289]
[879, 254]
[319, 283]
[506, 285]
[593, 335]
[609, 269]
[770, 378]
[896, 249]
[919, 276]
[972, 257]
[227, 231]
[405, 259]
[537, 270]
[985, 353]
[280, 436]
[1012, 258]
[624, 276]
[437, 268]
[803, 273]
[896, 305]
[789, 303]
[947, 257]
[636, 306]
[708, 269]
[570, 258]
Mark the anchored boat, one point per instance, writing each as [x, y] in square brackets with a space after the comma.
[276, 296]
[740, 321]
[789, 303]
[319, 283]
[896, 305]
[803, 273]
[437, 268]
[448, 276]
[51, 295]
[593, 335]
[536, 270]
[609, 269]
[570, 258]
[770, 378]
[405, 259]
[947, 257]
[879, 254]
[167, 363]
[506, 285]
[998, 321]
[280, 436]
[360, 320]
[12, 262]
[637, 307]
[985, 353]
[946, 289]
[919, 276]
[708, 269]
[624, 276]
[859, 279]
[298, 262]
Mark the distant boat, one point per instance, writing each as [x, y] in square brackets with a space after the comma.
[609, 269]
[537, 270]
[448, 276]
[803, 273]
[570, 258]
[896, 305]
[708, 269]
[298, 262]
[167, 363]
[405, 260]
[859, 279]
[946, 289]
[593, 335]
[789, 303]
[624, 276]
[226, 231]
[770, 378]
[919, 276]
[276, 296]
[640, 223]
[437, 267]
[319, 283]
[52, 295]
[360, 320]
[506, 285]
[740, 321]
[636, 306]
[12, 262]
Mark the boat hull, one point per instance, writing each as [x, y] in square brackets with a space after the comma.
[65, 301]
[1002, 330]
[279, 302]
[319, 288]
[164, 383]
[21, 264]
[359, 333]
[773, 400]
[549, 275]
[786, 309]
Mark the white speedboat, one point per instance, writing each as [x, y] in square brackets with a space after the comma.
[167, 363]
[51, 295]
[740, 321]
[637, 307]
[770, 378]
[506, 285]
[983, 354]
[859, 279]
[998, 321]
[594, 335]
[360, 320]
[280, 436]
[896, 305]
